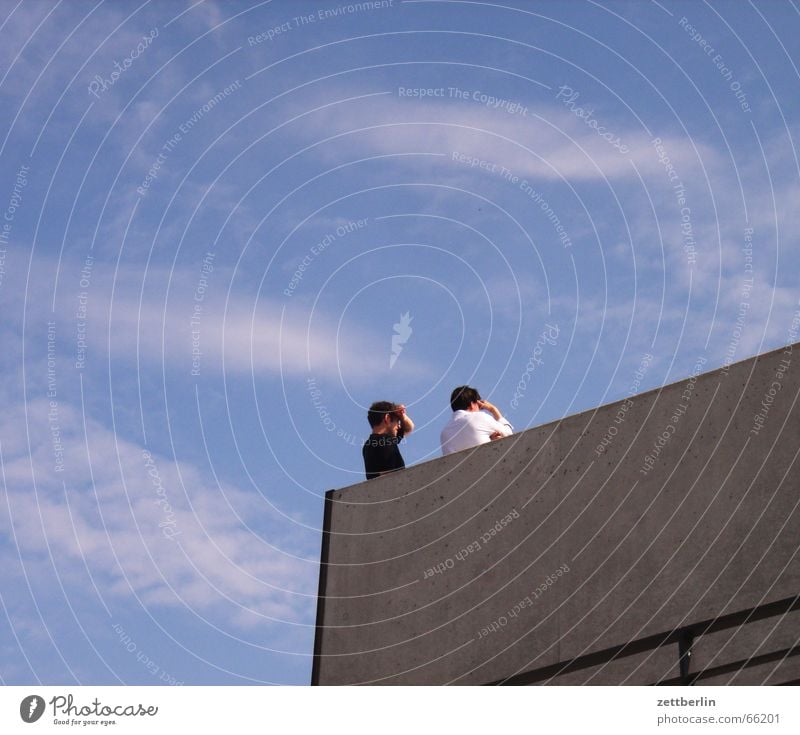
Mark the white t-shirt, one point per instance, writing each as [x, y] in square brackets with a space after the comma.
[469, 428]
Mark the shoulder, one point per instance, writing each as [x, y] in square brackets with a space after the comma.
[455, 421]
[481, 418]
[488, 421]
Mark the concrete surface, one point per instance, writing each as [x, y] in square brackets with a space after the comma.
[448, 572]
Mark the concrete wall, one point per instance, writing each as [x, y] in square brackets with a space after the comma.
[541, 549]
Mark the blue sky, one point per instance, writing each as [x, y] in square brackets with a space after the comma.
[214, 215]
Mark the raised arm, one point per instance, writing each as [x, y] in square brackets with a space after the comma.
[407, 423]
[503, 428]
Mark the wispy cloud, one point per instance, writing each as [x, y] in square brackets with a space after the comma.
[549, 142]
[146, 526]
[248, 335]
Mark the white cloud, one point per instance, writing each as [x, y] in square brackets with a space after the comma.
[550, 142]
[148, 526]
[251, 336]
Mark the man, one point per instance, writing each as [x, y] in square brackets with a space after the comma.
[474, 421]
[390, 424]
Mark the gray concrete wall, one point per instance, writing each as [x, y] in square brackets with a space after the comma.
[541, 548]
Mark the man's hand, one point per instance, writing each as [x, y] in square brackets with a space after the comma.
[405, 420]
[491, 409]
[495, 435]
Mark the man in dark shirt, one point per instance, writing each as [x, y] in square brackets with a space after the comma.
[390, 424]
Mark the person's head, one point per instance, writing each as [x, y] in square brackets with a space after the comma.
[383, 417]
[463, 398]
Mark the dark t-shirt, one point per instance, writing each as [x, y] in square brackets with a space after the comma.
[381, 454]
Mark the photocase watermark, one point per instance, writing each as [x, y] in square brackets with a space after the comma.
[183, 129]
[206, 267]
[402, 332]
[3, 254]
[488, 100]
[544, 206]
[81, 313]
[152, 173]
[475, 162]
[318, 249]
[549, 336]
[568, 97]
[687, 231]
[525, 602]
[794, 328]
[155, 167]
[168, 526]
[205, 108]
[771, 393]
[476, 545]
[14, 202]
[736, 336]
[270, 33]
[522, 184]
[747, 250]
[475, 95]
[724, 70]
[420, 92]
[32, 708]
[144, 659]
[672, 425]
[100, 85]
[627, 404]
[340, 10]
[324, 415]
[322, 14]
[65, 706]
[744, 303]
[52, 400]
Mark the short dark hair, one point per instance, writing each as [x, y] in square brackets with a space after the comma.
[378, 410]
[463, 397]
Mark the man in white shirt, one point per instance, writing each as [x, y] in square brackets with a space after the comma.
[474, 422]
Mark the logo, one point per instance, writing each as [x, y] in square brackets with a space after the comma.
[31, 708]
[400, 337]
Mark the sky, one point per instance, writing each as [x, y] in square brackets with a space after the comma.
[227, 228]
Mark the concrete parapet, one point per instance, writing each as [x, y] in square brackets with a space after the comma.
[564, 549]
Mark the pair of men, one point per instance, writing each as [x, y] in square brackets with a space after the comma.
[474, 422]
